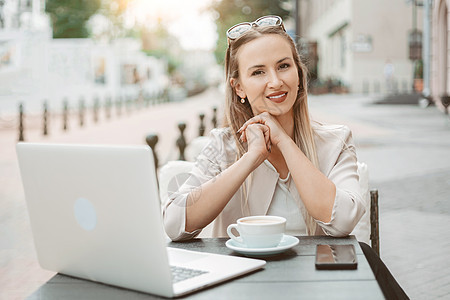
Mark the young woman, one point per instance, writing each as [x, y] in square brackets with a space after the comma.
[269, 158]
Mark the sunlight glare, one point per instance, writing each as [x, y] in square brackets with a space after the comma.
[189, 20]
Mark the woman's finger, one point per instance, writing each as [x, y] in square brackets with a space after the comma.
[243, 137]
[258, 119]
[265, 131]
[255, 120]
[244, 134]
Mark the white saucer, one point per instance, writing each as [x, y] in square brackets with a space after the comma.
[286, 243]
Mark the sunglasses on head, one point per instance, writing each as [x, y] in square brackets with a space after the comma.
[239, 29]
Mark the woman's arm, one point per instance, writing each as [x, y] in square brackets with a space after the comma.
[206, 203]
[316, 190]
[208, 190]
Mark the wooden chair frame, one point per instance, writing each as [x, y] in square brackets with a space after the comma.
[374, 223]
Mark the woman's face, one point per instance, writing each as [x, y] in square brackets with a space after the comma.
[268, 76]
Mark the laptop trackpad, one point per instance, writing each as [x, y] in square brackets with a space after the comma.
[180, 257]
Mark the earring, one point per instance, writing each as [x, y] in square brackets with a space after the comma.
[242, 100]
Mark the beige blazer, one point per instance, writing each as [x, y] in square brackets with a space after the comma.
[337, 160]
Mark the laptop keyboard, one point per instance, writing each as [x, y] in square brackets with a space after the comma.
[180, 274]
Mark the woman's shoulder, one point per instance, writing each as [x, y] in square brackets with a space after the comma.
[221, 132]
[331, 141]
[222, 141]
[222, 135]
[331, 132]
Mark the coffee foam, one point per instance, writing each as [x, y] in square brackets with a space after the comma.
[259, 221]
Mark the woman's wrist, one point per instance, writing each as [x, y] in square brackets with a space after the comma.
[253, 159]
[284, 143]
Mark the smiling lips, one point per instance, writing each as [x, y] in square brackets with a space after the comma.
[277, 97]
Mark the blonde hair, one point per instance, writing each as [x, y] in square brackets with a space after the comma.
[237, 113]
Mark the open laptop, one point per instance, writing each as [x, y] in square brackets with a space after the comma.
[95, 214]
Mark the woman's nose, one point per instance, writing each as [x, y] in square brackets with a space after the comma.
[275, 80]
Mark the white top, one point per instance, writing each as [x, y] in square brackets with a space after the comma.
[284, 205]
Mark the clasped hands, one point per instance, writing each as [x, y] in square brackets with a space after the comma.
[261, 133]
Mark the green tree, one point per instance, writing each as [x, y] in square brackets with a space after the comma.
[231, 12]
[114, 11]
[69, 17]
[158, 42]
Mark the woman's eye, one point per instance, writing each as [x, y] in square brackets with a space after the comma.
[284, 66]
[257, 72]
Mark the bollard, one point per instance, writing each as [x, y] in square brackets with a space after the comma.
[201, 129]
[181, 141]
[445, 100]
[65, 114]
[146, 99]
[95, 109]
[165, 97]
[119, 105]
[140, 100]
[128, 104]
[152, 140]
[108, 107]
[21, 128]
[45, 119]
[81, 112]
[214, 118]
[135, 102]
[155, 98]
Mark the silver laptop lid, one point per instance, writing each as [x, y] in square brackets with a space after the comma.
[95, 219]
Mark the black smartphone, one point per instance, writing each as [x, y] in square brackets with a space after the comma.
[336, 257]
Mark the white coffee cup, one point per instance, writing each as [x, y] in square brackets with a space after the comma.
[258, 231]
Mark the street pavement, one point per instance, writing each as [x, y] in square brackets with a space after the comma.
[405, 147]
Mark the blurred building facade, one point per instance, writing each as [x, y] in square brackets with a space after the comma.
[34, 67]
[440, 63]
[15, 14]
[364, 45]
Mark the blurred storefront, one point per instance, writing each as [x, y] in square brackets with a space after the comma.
[361, 46]
[440, 68]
